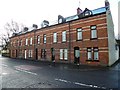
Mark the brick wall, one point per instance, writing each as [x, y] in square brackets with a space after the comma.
[71, 31]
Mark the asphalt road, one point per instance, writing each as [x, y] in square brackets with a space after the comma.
[17, 73]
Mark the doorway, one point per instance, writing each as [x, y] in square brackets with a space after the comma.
[36, 54]
[16, 53]
[53, 54]
[43, 53]
[76, 55]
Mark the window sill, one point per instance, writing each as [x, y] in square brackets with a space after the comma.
[54, 42]
[63, 41]
[93, 38]
[80, 40]
[92, 60]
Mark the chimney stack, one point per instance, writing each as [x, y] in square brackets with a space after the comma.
[79, 11]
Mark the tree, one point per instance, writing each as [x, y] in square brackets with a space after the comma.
[11, 28]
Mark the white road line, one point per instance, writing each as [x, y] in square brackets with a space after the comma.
[80, 84]
[4, 73]
[4, 65]
[26, 71]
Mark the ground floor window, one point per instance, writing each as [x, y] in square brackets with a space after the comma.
[92, 54]
[89, 53]
[63, 54]
[95, 53]
[30, 53]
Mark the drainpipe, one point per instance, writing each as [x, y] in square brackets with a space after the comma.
[69, 44]
[34, 46]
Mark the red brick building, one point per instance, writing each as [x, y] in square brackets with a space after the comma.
[85, 38]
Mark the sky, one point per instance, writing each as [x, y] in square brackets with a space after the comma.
[30, 12]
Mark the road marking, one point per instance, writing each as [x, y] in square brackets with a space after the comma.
[26, 71]
[80, 84]
[4, 65]
[4, 73]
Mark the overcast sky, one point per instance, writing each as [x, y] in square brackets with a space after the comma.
[30, 12]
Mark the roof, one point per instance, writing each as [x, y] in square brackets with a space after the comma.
[72, 18]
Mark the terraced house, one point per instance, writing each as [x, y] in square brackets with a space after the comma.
[84, 38]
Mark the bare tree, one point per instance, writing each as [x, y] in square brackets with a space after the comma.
[12, 27]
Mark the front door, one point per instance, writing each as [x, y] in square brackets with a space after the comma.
[16, 53]
[76, 55]
[53, 54]
[43, 53]
[36, 53]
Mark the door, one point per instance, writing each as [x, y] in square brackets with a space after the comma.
[36, 54]
[25, 54]
[43, 53]
[76, 55]
[53, 54]
[16, 53]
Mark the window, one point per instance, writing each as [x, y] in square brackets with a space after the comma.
[38, 39]
[95, 53]
[79, 34]
[30, 53]
[30, 41]
[20, 42]
[26, 42]
[44, 38]
[54, 37]
[89, 52]
[93, 32]
[64, 36]
[63, 54]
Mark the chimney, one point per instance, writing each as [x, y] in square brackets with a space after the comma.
[107, 4]
[79, 11]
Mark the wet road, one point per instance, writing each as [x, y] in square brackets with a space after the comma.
[33, 74]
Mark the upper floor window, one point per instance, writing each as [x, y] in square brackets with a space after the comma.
[26, 42]
[31, 41]
[64, 36]
[54, 37]
[93, 32]
[79, 34]
[38, 39]
[44, 38]
[20, 42]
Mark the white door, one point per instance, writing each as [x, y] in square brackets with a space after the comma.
[25, 54]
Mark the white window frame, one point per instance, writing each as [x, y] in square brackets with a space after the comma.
[38, 39]
[93, 32]
[89, 53]
[55, 37]
[44, 38]
[31, 41]
[64, 36]
[79, 34]
[30, 53]
[61, 53]
[65, 54]
[26, 41]
[96, 54]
